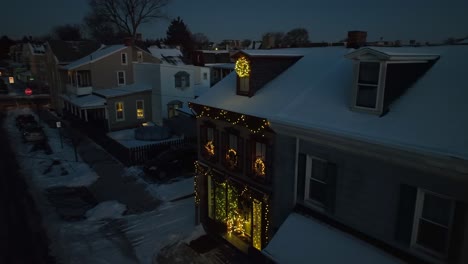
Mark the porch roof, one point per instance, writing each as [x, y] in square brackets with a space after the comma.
[87, 101]
[301, 239]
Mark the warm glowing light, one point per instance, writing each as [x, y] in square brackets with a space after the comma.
[11, 79]
[259, 167]
[140, 113]
[231, 158]
[257, 227]
[210, 148]
[242, 67]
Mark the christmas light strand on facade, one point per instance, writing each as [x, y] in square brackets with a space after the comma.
[231, 158]
[254, 124]
[210, 148]
[259, 167]
[242, 67]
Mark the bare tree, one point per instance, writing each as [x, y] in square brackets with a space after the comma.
[128, 15]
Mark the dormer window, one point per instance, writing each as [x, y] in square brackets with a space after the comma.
[368, 84]
[243, 73]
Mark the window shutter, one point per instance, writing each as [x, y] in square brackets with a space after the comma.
[405, 216]
[269, 162]
[223, 148]
[216, 143]
[178, 81]
[240, 154]
[248, 157]
[187, 80]
[202, 139]
[331, 187]
[459, 225]
[301, 174]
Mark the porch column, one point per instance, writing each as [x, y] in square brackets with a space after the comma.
[86, 115]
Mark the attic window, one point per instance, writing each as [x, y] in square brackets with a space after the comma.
[182, 79]
[368, 84]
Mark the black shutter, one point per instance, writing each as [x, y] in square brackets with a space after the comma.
[331, 187]
[223, 148]
[202, 141]
[248, 157]
[301, 175]
[269, 162]
[240, 154]
[405, 216]
[187, 80]
[459, 226]
[216, 144]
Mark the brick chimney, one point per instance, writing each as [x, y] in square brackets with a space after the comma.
[356, 39]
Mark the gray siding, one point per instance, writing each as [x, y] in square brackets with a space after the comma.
[131, 119]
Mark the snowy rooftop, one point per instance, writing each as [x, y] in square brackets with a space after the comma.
[398, 53]
[318, 91]
[161, 53]
[37, 49]
[123, 90]
[97, 55]
[87, 101]
[277, 52]
[300, 238]
[229, 66]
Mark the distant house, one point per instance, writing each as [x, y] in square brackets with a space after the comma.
[60, 53]
[338, 155]
[108, 73]
[33, 57]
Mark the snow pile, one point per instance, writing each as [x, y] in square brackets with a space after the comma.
[169, 192]
[105, 210]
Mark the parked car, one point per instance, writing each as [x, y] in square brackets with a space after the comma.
[23, 120]
[171, 163]
[33, 134]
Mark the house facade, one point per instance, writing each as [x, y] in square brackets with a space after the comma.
[33, 57]
[366, 156]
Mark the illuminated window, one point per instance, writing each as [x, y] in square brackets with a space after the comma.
[259, 167]
[368, 84]
[121, 78]
[123, 58]
[432, 222]
[140, 109]
[119, 111]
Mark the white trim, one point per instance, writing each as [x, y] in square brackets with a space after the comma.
[380, 88]
[317, 205]
[122, 55]
[418, 215]
[118, 79]
[143, 107]
[123, 111]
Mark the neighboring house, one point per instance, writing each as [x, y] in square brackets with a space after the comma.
[173, 86]
[219, 70]
[60, 53]
[339, 155]
[167, 55]
[33, 57]
[109, 68]
[202, 57]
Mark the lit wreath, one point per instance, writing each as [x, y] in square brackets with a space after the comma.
[210, 148]
[242, 67]
[231, 158]
[259, 167]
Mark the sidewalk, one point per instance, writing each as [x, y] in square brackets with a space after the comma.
[110, 185]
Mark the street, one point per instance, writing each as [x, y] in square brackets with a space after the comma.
[23, 239]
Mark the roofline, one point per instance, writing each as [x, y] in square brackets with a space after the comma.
[120, 95]
[429, 161]
[93, 60]
[385, 56]
[268, 56]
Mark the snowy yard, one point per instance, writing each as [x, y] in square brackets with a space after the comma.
[106, 234]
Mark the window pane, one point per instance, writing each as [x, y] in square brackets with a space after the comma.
[432, 236]
[233, 141]
[209, 134]
[317, 191]
[319, 170]
[436, 209]
[260, 150]
[369, 72]
[366, 96]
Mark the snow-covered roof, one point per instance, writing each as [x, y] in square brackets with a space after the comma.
[397, 53]
[123, 90]
[171, 56]
[276, 52]
[185, 109]
[95, 56]
[86, 101]
[300, 238]
[37, 49]
[315, 93]
[214, 51]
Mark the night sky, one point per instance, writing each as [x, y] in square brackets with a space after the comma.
[430, 20]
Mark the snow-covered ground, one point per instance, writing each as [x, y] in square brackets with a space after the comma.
[106, 235]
